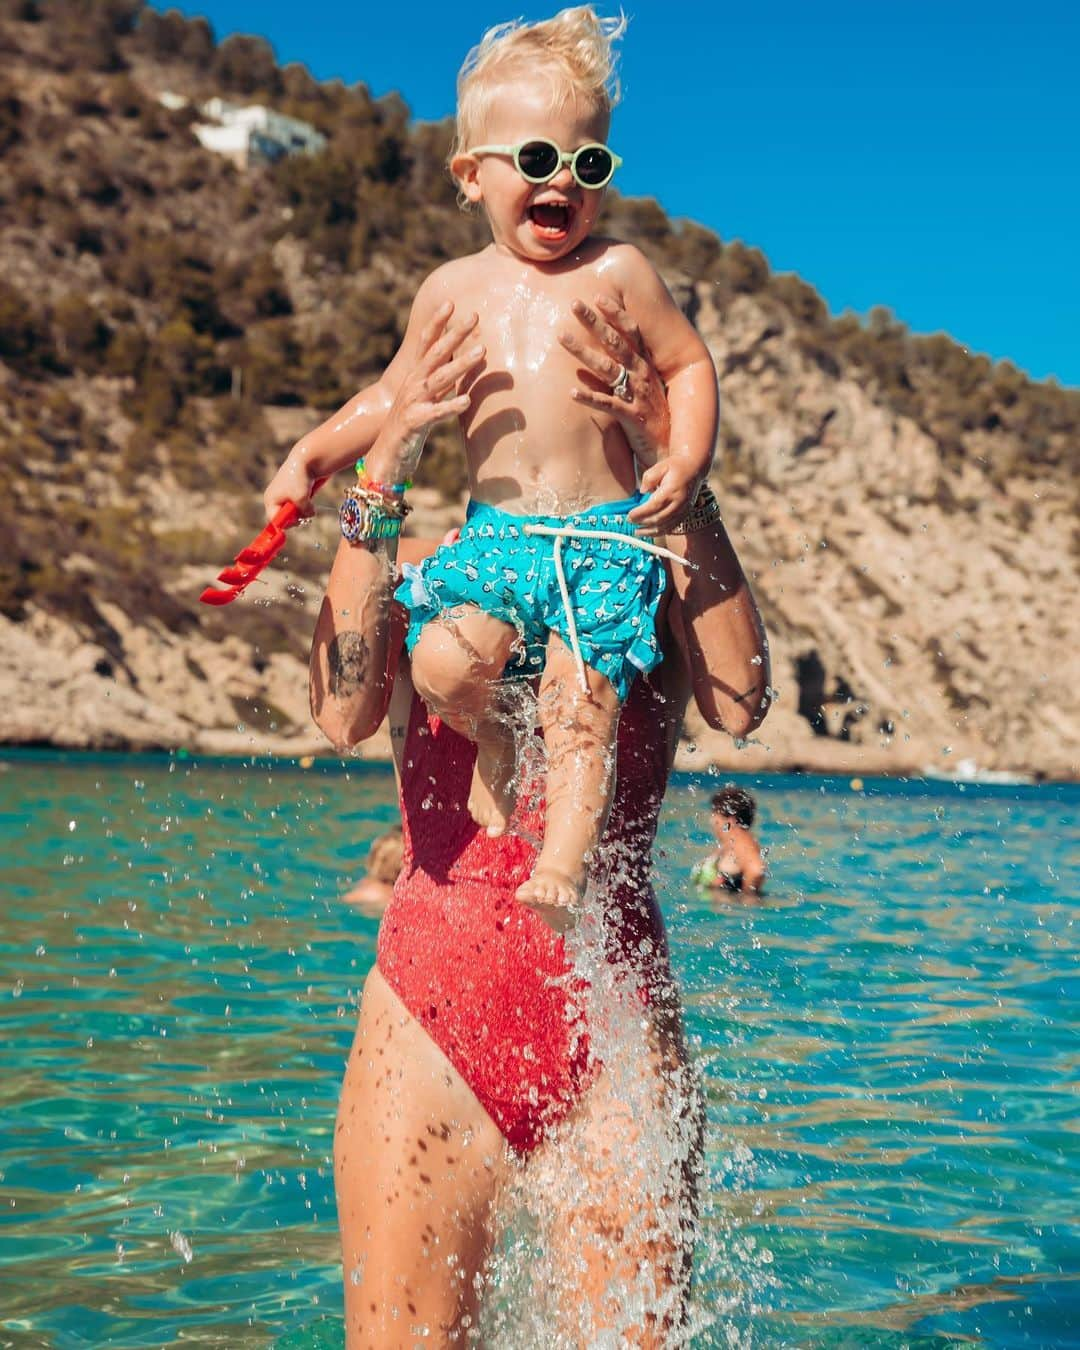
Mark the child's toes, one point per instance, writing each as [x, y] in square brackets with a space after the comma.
[553, 896]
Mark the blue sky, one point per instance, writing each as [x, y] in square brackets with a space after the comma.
[921, 155]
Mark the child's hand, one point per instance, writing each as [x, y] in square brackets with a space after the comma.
[672, 484]
[427, 395]
[608, 342]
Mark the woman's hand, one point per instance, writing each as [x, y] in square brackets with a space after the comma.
[427, 395]
[607, 342]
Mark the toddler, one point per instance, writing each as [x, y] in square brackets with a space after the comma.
[549, 573]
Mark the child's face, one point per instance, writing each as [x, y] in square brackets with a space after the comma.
[539, 221]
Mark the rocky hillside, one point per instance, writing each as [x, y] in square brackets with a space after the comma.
[170, 323]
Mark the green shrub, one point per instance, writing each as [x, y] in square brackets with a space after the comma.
[25, 342]
[127, 351]
[245, 65]
[271, 364]
[80, 334]
[12, 112]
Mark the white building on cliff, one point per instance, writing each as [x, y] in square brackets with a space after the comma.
[252, 133]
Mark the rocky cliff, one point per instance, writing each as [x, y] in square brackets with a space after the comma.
[169, 325]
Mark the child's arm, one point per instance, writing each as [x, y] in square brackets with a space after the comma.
[350, 432]
[713, 613]
[675, 349]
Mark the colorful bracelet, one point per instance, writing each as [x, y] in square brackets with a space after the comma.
[387, 489]
[704, 512]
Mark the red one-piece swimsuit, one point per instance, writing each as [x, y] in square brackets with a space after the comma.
[486, 977]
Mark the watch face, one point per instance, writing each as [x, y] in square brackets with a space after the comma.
[352, 519]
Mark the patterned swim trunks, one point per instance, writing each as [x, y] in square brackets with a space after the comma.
[614, 587]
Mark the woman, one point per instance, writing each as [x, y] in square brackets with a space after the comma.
[737, 865]
[480, 1056]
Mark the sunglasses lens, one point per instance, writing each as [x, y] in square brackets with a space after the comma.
[594, 165]
[538, 160]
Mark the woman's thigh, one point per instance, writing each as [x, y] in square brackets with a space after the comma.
[417, 1165]
[627, 1161]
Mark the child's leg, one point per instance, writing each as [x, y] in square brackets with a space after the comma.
[457, 667]
[579, 737]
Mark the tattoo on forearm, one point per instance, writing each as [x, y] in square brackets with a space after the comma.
[741, 698]
[348, 657]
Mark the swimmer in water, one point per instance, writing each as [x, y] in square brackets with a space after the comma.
[737, 865]
[551, 573]
[374, 889]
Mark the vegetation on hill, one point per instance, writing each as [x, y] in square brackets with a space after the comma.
[155, 300]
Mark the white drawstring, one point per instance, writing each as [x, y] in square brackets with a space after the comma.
[561, 532]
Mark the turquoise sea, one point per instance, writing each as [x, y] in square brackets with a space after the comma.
[889, 1042]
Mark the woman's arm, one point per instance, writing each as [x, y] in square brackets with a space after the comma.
[717, 624]
[357, 643]
[359, 631]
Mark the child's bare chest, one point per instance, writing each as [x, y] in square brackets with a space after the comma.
[520, 327]
[524, 431]
[521, 319]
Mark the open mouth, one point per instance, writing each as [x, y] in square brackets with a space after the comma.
[551, 220]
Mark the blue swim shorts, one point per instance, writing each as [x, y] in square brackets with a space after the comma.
[614, 587]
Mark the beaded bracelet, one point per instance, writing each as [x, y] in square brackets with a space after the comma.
[704, 512]
[387, 489]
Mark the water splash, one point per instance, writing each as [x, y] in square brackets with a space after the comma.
[598, 1232]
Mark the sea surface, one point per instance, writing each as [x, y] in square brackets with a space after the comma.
[889, 1042]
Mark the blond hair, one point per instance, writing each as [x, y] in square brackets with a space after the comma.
[385, 856]
[575, 48]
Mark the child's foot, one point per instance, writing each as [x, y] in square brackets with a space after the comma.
[554, 895]
[491, 796]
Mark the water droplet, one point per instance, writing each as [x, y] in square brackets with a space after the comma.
[181, 1246]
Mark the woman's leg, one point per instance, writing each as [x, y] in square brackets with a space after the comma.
[621, 1233]
[579, 741]
[417, 1164]
[457, 667]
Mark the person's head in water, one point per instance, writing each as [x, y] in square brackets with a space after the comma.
[737, 864]
[375, 887]
[534, 105]
[384, 856]
[733, 804]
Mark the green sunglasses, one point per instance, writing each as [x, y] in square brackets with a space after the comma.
[539, 160]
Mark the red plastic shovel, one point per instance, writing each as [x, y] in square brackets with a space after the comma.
[250, 561]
